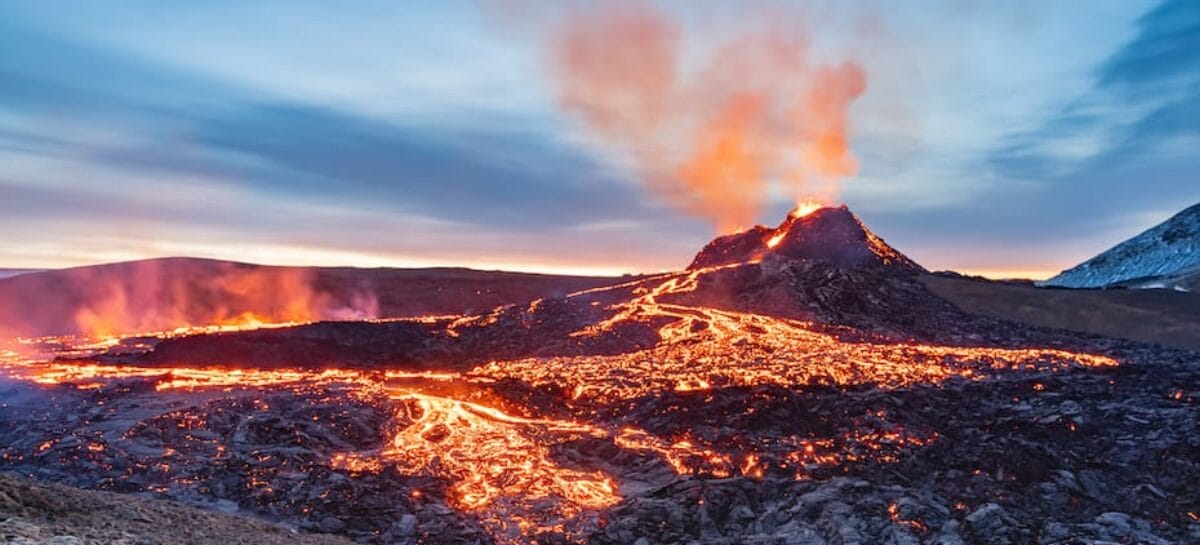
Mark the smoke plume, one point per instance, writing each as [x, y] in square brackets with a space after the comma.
[709, 130]
[164, 294]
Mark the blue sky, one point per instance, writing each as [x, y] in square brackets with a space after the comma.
[1003, 137]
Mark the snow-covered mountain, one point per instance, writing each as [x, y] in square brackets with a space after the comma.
[1164, 256]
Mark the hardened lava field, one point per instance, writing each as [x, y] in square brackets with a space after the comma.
[768, 399]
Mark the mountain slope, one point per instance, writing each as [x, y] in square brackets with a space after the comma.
[1153, 258]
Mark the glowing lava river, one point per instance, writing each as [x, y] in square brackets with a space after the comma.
[516, 449]
[796, 384]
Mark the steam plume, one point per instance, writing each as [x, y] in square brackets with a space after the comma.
[713, 133]
[157, 295]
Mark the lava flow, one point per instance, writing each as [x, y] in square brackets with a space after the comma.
[623, 391]
[508, 471]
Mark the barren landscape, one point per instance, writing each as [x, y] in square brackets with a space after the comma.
[806, 387]
[764, 272]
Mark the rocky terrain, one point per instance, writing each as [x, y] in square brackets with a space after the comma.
[33, 513]
[1024, 457]
[815, 389]
[1073, 458]
[831, 235]
[826, 269]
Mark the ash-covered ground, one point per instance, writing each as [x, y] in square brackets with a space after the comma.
[760, 398]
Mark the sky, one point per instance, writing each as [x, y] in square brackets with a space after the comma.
[999, 138]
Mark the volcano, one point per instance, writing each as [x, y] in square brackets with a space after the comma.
[825, 268]
[794, 384]
[828, 234]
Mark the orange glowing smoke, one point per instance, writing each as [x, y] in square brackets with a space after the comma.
[166, 294]
[243, 299]
[237, 298]
[710, 136]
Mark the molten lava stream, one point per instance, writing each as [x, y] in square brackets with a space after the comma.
[504, 469]
[704, 347]
[499, 466]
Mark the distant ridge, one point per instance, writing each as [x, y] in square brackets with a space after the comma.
[9, 273]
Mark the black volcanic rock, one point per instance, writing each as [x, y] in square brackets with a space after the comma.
[833, 235]
[741, 247]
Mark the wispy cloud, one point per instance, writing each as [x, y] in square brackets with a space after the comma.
[990, 135]
[1090, 172]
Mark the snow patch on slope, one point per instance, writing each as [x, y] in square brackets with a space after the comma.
[1166, 249]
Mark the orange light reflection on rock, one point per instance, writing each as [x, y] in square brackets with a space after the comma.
[503, 469]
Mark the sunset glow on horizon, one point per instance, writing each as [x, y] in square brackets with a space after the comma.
[458, 135]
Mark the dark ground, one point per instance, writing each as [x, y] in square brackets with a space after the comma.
[51, 514]
[1098, 455]
[1165, 317]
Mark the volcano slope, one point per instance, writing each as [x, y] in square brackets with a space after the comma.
[794, 385]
